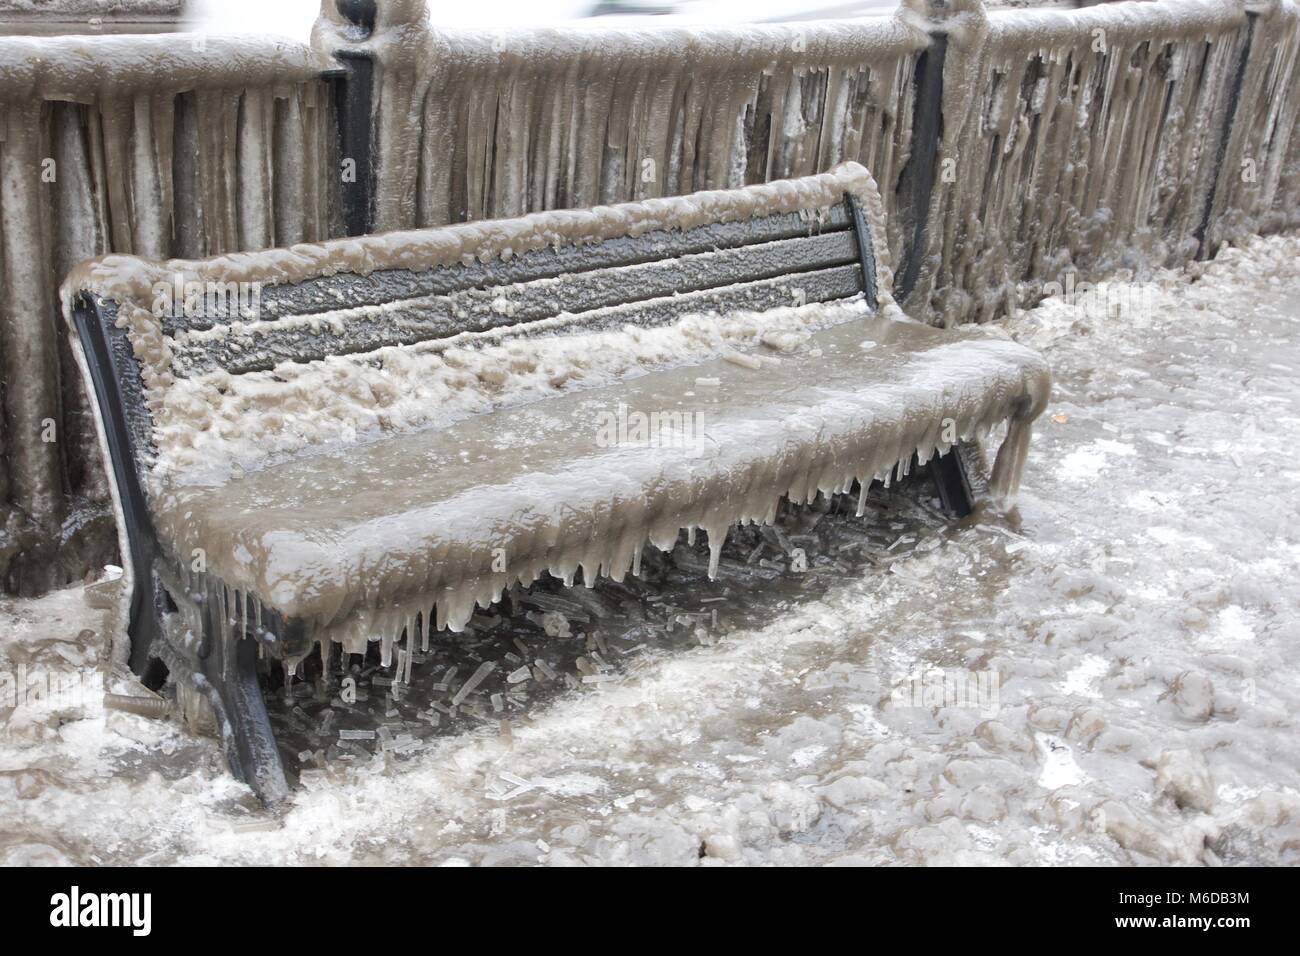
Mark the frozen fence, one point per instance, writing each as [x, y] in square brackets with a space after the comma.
[1009, 146]
[161, 145]
[478, 125]
[1100, 137]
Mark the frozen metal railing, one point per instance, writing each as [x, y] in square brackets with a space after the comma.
[475, 125]
[1010, 147]
[1101, 137]
[160, 145]
[1259, 189]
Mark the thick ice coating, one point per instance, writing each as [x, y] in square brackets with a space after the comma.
[127, 278]
[216, 423]
[80, 68]
[360, 541]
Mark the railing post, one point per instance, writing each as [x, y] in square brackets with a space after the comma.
[379, 44]
[938, 116]
[1228, 148]
[352, 22]
[1233, 179]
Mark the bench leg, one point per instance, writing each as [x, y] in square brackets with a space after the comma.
[949, 473]
[228, 677]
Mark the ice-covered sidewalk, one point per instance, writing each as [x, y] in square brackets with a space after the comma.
[1110, 679]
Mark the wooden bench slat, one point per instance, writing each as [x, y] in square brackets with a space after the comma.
[351, 291]
[822, 285]
[313, 337]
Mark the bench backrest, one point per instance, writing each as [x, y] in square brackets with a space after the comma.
[777, 244]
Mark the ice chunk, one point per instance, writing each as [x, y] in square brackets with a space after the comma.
[483, 670]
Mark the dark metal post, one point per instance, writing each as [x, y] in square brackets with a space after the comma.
[353, 102]
[1202, 233]
[916, 183]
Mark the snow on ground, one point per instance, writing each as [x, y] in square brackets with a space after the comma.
[1109, 676]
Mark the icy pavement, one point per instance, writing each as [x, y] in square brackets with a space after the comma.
[1108, 677]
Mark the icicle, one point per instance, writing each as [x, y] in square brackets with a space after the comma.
[864, 484]
[223, 607]
[1010, 463]
[717, 538]
[410, 648]
[227, 637]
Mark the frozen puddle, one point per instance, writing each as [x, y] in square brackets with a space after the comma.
[1146, 688]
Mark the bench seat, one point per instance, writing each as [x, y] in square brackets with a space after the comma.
[359, 540]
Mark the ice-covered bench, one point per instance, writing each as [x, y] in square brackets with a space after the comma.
[365, 439]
